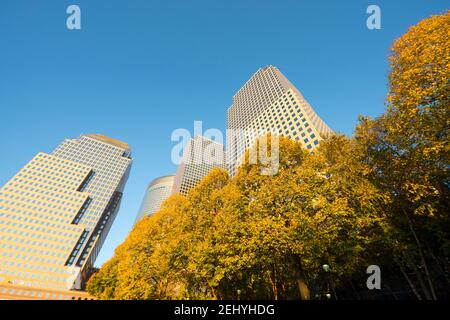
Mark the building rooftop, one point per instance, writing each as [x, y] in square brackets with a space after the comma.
[108, 140]
[163, 179]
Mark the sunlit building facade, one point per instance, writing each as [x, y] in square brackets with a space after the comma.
[157, 191]
[200, 156]
[269, 102]
[57, 210]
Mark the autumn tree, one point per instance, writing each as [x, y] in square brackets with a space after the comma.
[260, 234]
[278, 230]
[380, 197]
[408, 150]
[141, 266]
[192, 256]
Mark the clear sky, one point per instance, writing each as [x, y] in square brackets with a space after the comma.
[137, 70]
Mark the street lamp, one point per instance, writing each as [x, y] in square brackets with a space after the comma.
[327, 269]
[239, 294]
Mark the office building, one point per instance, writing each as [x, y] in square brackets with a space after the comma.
[56, 211]
[200, 156]
[269, 102]
[157, 191]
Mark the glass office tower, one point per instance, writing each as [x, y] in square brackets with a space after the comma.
[269, 102]
[56, 211]
[200, 156]
[157, 191]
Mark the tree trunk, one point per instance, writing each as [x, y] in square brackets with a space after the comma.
[438, 263]
[354, 290]
[283, 291]
[422, 257]
[411, 284]
[390, 290]
[273, 283]
[421, 282]
[303, 289]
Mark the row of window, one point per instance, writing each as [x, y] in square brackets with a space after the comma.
[41, 295]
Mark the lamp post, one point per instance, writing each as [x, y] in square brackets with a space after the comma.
[239, 294]
[327, 270]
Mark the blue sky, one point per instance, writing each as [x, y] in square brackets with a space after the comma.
[137, 70]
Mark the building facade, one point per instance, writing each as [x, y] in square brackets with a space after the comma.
[200, 156]
[56, 211]
[15, 292]
[157, 191]
[269, 103]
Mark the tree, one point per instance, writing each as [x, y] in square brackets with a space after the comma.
[408, 150]
[140, 268]
[381, 197]
[255, 233]
[102, 284]
[275, 231]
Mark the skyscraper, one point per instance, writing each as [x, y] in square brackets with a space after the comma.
[157, 191]
[200, 156]
[57, 210]
[269, 102]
